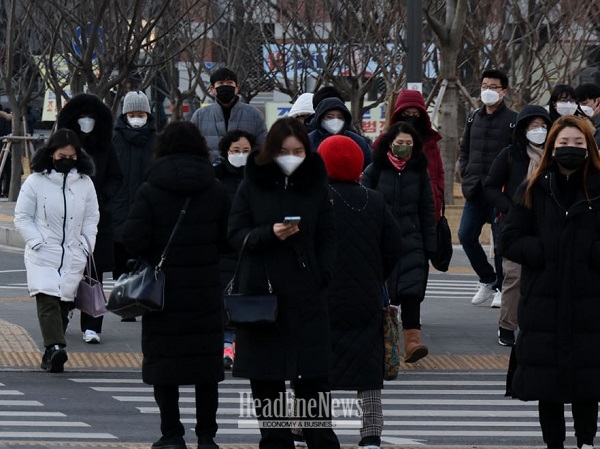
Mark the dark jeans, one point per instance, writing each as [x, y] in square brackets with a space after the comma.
[308, 391]
[207, 401]
[52, 316]
[552, 421]
[476, 213]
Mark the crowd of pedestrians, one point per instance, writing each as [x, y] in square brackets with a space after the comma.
[365, 231]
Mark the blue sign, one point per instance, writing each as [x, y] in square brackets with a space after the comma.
[79, 47]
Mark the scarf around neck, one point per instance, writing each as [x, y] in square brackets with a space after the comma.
[398, 164]
[535, 156]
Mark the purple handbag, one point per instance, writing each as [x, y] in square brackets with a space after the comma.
[90, 297]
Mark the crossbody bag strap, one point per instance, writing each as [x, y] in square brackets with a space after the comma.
[182, 213]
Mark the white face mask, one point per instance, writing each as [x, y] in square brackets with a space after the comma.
[537, 136]
[587, 110]
[237, 159]
[137, 122]
[289, 163]
[86, 124]
[489, 97]
[566, 107]
[333, 125]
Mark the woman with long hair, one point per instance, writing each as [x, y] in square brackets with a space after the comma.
[553, 231]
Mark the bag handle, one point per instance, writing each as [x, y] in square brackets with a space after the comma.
[182, 213]
[230, 288]
[91, 263]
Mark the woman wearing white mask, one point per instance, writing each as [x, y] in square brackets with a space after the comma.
[285, 179]
[332, 117]
[134, 137]
[92, 121]
[512, 166]
[234, 149]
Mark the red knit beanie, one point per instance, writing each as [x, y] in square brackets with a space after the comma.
[343, 158]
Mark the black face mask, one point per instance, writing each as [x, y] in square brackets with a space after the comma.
[409, 119]
[64, 165]
[570, 158]
[225, 94]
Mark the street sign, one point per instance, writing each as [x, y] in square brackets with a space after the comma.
[79, 47]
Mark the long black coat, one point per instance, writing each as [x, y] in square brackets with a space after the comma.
[108, 177]
[183, 344]
[369, 245]
[134, 147]
[299, 268]
[409, 194]
[558, 247]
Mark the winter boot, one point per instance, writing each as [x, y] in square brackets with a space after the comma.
[413, 349]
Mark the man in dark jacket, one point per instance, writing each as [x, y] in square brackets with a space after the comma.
[332, 117]
[227, 113]
[588, 97]
[488, 130]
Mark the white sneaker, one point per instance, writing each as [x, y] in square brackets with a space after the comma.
[497, 301]
[587, 446]
[484, 293]
[91, 337]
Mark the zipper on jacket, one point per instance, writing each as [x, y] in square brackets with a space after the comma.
[62, 243]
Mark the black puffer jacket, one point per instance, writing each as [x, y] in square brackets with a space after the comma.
[369, 245]
[183, 344]
[409, 194]
[557, 243]
[299, 269]
[483, 138]
[134, 147]
[108, 176]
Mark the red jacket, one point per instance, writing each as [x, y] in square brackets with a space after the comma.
[414, 99]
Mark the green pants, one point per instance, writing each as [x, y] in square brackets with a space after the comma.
[52, 315]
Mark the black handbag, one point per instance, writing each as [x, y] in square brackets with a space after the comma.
[142, 290]
[443, 255]
[249, 310]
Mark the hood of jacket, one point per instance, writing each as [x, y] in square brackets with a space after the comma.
[135, 136]
[414, 99]
[310, 173]
[101, 135]
[526, 114]
[327, 105]
[183, 174]
[85, 164]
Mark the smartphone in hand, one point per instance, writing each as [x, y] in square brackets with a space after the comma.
[291, 220]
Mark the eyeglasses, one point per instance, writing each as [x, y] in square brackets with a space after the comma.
[493, 87]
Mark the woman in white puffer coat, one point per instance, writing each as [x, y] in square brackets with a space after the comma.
[55, 212]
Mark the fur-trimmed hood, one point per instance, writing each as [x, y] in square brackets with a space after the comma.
[308, 175]
[100, 137]
[42, 162]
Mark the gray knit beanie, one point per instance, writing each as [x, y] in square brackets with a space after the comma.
[136, 102]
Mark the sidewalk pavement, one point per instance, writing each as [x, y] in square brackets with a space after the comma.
[460, 336]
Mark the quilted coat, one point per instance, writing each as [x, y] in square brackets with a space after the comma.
[408, 192]
[183, 344]
[211, 123]
[299, 269]
[54, 213]
[483, 138]
[557, 243]
[369, 245]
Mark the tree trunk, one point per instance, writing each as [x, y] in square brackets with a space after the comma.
[448, 119]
